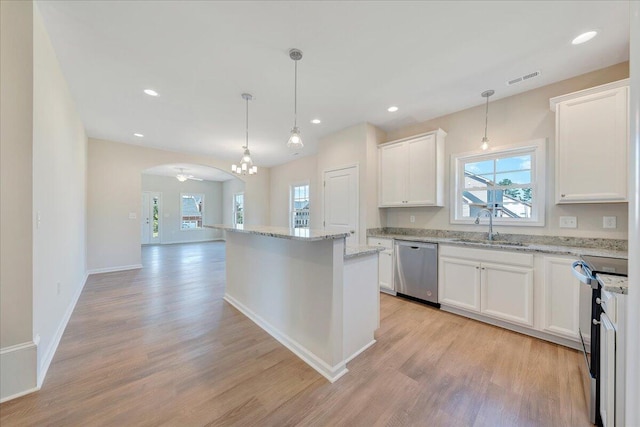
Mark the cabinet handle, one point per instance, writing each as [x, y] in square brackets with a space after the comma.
[483, 268]
[477, 267]
[562, 195]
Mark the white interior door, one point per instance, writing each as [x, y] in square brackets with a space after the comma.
[150, 218]
[341, 202]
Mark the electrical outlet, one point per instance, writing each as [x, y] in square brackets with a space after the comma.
[568, 222]
[412, 218]
[133, 215]
[609, 222]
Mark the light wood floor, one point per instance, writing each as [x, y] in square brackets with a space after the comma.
[159, 346]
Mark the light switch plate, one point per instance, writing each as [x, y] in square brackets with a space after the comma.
[609, 222]
[568, 222]
[412, 218]
[132, 215]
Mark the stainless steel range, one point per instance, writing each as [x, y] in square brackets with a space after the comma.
[586, 270]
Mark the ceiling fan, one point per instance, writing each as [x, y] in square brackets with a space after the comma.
[182, 177]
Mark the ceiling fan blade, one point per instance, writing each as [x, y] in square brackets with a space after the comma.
[194, 179]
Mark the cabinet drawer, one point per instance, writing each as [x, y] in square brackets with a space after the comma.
[379, 241]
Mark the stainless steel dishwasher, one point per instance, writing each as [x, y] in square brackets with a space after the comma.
[416, 271]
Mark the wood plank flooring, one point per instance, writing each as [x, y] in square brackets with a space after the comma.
[159, 347]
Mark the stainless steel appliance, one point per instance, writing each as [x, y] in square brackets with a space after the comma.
[585, 270]
[416, 271]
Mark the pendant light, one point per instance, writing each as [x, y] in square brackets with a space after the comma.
[485, 140]
[246, 164]
[295, 139]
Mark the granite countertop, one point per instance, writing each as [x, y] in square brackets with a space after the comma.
[560, 245]
[360, 250]
[305, 234]
[615, 284]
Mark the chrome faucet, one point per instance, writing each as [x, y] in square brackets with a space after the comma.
[490, 212]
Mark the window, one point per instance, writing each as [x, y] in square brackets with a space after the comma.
[191, 210]
[509, 181]
[300, 206]
[238, 209]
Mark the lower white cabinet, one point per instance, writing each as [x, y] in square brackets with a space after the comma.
[493, 283]
[385, 263]
[562, 298]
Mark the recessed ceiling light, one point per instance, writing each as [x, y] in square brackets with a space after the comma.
[584, 37]
[316, 121]
[139, 135]
[151, 92]
[392, 109]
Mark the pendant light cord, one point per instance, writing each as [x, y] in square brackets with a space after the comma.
[247, 126]
[295, 95]
[486, 118]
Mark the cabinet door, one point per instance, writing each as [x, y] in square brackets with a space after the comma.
[507, 293]
[561, 298]
[459, 283]
[393, 173]
[591, 148]
[385, 270]
[421, 180]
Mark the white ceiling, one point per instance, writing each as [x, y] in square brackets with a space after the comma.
[429, 58]
[198, 171]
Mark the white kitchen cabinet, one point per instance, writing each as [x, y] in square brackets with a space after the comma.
[385, 263]
[507, 292]
[459, 283]
[494, 283]
[562, 298]
[411, 171]
[592, 134]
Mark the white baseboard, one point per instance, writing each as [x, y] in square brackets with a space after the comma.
[332, 373]
[51, 351]
[181, 242]
[112, 269]
[18, 367]
[357, 353]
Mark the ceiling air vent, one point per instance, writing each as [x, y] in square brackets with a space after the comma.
[523, 78]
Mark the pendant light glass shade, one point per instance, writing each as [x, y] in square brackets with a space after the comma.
[246, 164]
[295, 139]
[485, 140]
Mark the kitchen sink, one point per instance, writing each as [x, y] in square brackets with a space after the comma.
[490, 242]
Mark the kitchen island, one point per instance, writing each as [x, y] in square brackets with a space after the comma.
[306, 289]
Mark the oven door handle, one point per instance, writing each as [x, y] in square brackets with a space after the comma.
[578, 273]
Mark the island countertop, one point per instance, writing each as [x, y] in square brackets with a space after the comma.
[304, 234]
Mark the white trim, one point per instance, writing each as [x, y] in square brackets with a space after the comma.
[112, 269]
[553, 102]
[43, 366]
[538, 181]
[19, 372]
[359, 352]
[180, 242]
[332, 373]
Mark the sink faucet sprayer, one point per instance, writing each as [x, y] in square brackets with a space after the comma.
[490, 212]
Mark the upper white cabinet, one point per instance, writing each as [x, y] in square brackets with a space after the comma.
[411, 171]
[592, 135]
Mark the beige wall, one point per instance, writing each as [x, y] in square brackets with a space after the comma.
[59, 197]
[298, 171]
[517, 118]
[171, 189]
[114, 190]
[16, 136]
[355, 145]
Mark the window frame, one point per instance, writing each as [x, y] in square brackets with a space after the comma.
[537, 149]
[202, 211]
[234, 212]
[292, 210]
